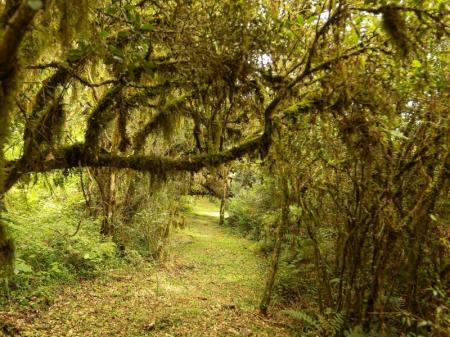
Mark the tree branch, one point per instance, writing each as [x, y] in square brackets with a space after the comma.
[75, 156]
[73, 74]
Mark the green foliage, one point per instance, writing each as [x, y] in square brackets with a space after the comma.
[313, 324]
[331, 324]
[146, 229]
[305, 318]
[48, 252]
[249, 213]
[7, 250]
[294, 280]
[359, 332]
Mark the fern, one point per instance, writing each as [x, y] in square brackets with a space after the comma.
[358, 331]
[329, 325]
[302, 316]
[336, 323]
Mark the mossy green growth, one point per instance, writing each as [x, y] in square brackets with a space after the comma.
[395, 26]
[7, 251]
[73, 19]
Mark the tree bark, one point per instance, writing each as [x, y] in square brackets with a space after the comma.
[223, 197]
[282, 225]
[7, 248]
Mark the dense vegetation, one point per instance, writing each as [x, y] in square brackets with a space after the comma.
[321, 126]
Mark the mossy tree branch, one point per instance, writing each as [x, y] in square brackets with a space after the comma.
[74, 156]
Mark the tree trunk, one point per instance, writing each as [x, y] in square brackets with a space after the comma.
[223, 201]
[282, 225]
[109, 203]
[107, 228]
[267, 296]
[7, 247]
[224, 193]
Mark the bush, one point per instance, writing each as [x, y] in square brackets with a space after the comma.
[52, 245]
[249, 212]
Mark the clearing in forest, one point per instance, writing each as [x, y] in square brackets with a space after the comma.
[209, 285]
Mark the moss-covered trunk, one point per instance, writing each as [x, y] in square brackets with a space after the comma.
[6, 246]
[283, 223]
[267, 295]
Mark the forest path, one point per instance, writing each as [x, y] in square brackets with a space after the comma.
[209, 285]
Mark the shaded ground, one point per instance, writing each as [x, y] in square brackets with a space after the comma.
[209, 286]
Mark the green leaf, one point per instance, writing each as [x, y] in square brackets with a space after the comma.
[122, 34]
[397, 134]
[416, 64]
[110, 10]
[104, 34]
[433, 217]
[55, 267]
[147, 27]
[303, 317]
[311, 19]
[35, 4]
[23, 267]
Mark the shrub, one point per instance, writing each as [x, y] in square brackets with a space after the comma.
[249, 212]
[52, 245]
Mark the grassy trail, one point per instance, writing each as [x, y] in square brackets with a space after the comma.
[209, 286]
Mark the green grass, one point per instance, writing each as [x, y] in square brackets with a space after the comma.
[223, 259]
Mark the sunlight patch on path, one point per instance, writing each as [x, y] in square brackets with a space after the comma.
[204, 207]
[208, 213]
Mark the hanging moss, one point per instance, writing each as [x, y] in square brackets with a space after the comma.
[68, 19]
[101, 117]
[216, 132]
[124, 140]
[395, 26]
[52, 127]
[167, 120]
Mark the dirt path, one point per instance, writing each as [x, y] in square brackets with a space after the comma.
[209, 286]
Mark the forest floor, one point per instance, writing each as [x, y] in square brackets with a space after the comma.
[209, 285]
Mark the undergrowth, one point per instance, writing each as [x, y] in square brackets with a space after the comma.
[57, 243]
